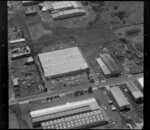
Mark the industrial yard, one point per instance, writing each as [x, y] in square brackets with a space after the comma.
[75, 64]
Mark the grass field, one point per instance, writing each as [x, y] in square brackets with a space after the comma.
[26, 74]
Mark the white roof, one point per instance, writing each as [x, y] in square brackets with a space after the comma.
[65, 4]
[135, 91]
[66, 12]
[30, 59]
[62, 61]
[47, 5]
[103, 66]
[141, 81]
[17, 40]
[119, 97]
[91, 101]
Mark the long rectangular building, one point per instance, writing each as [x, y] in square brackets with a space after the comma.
[120, 98]
[134, 91]
[61, 5]
[110, 63]
[27, 3]
[72, 110]
[68, 14]
[62, 62]
[78, 121]
[89, 102]
[17, 40]
[103, 67]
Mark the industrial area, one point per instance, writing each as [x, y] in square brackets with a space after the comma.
[75, 64]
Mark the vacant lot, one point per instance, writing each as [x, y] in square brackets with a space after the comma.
[119, 14]
[28, 75]
[134, 35]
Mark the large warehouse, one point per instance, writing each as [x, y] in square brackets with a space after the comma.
[60, 62]
[134, 91]
[79, 114]
[120, 98]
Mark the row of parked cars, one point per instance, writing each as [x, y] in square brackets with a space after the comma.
[109, 101]
[51, 99]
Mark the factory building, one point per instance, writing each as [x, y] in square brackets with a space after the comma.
[30, 11]
[79, 114]
[59, 6]
[68, 14]
[103, 67]
[134, 91]
[62, 62]
[120, 98]
[111, 64]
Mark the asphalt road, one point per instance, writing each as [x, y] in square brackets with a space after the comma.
[62, 92]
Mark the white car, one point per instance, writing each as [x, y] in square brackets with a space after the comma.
[113, 108]
[103, 81]
[43, 101]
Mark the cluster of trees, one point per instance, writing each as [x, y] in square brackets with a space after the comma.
[81, 92]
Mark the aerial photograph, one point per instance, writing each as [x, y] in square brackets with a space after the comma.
[75, 64]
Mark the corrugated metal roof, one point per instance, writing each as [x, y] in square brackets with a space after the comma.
[109, 62]
[27, 2]
[103, 66]
[62, 61]
[140, 80]
[67, 12]
[78, 121]
[136, 93]
[62, 114]
[119, 97]
[65, 4]
[92, 102]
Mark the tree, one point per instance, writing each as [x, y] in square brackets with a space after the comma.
[92, 81]
[90, 90]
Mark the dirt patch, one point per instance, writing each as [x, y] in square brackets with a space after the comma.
[37, 31]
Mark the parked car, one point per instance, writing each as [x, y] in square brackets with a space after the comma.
[103, 81]
[104, 92]
[43, 101]
[113, 108]
[110, 101]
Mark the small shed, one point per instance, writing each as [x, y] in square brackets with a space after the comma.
[15, 82]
